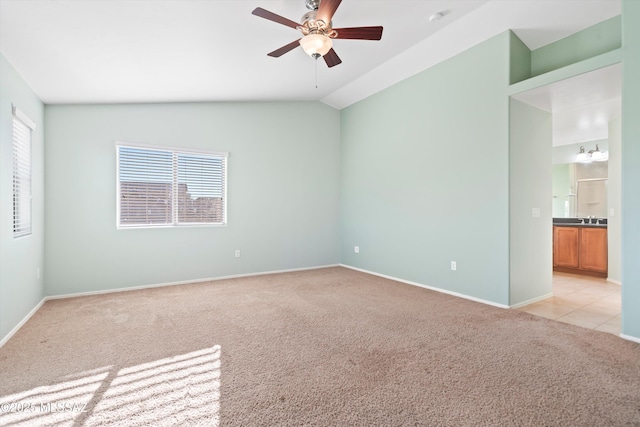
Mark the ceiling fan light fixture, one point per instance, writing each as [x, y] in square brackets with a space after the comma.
[316, 44]
[317, 31]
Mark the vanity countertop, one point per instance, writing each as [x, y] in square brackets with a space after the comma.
[577, 222]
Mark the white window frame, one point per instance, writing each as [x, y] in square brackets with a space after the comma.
[175, 206]
[22, 177]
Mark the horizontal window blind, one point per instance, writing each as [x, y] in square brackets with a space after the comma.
[161, 187]
[201, 181]
[22, 127]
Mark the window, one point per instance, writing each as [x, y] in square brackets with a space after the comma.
[22, 127]
[160, 187]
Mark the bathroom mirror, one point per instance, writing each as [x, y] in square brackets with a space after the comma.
[580, 190]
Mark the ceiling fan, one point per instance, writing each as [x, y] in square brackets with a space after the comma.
[317, 31]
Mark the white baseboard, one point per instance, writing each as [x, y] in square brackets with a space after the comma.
[630, 338]
[22, 322]
[615, 282]
[432, 288]
[531, 301]
[133, 288]
[408, 282]
[185, 282]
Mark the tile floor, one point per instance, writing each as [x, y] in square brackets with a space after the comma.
[582, 301]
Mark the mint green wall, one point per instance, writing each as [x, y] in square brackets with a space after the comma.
[519, 59]
[593, 41]
[631, 169]
[530, 176]
[425, 176]
[283, 192]
[614, 199]
[20, 289]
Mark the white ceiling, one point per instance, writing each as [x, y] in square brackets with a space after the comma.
[101, 51]
[581, 106]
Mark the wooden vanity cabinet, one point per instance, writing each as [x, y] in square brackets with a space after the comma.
[593, 249]
[581, 250]
[565, 246]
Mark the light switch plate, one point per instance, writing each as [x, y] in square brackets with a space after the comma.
[535, 212]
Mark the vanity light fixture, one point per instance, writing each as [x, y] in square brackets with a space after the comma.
[592, 155]
[582, 156]
[596, 154]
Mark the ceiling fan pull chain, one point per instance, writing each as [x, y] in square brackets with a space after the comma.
[316, 72]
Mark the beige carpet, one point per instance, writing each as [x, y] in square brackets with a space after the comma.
[323, 347]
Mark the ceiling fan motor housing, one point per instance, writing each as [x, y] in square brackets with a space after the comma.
[312, 4]
[312, 26]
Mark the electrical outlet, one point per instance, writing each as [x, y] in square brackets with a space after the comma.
[356, 249]
[237, 253]
[611, 212]
[454, 266]
[38, 273]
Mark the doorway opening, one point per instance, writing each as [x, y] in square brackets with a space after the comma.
[586, 193]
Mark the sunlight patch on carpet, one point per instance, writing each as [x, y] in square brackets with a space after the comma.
[182, 389]
[53, 404]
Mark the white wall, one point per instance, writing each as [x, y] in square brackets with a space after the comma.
[283, 193]
[20, 288]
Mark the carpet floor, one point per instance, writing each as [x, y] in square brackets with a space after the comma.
[327, 347]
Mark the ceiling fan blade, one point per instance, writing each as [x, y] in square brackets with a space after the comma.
[262, 13]
[326, 10]
[359, 33]
[332, 59]
[284, 49]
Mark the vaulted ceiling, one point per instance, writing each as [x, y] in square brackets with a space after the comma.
[99, 51]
